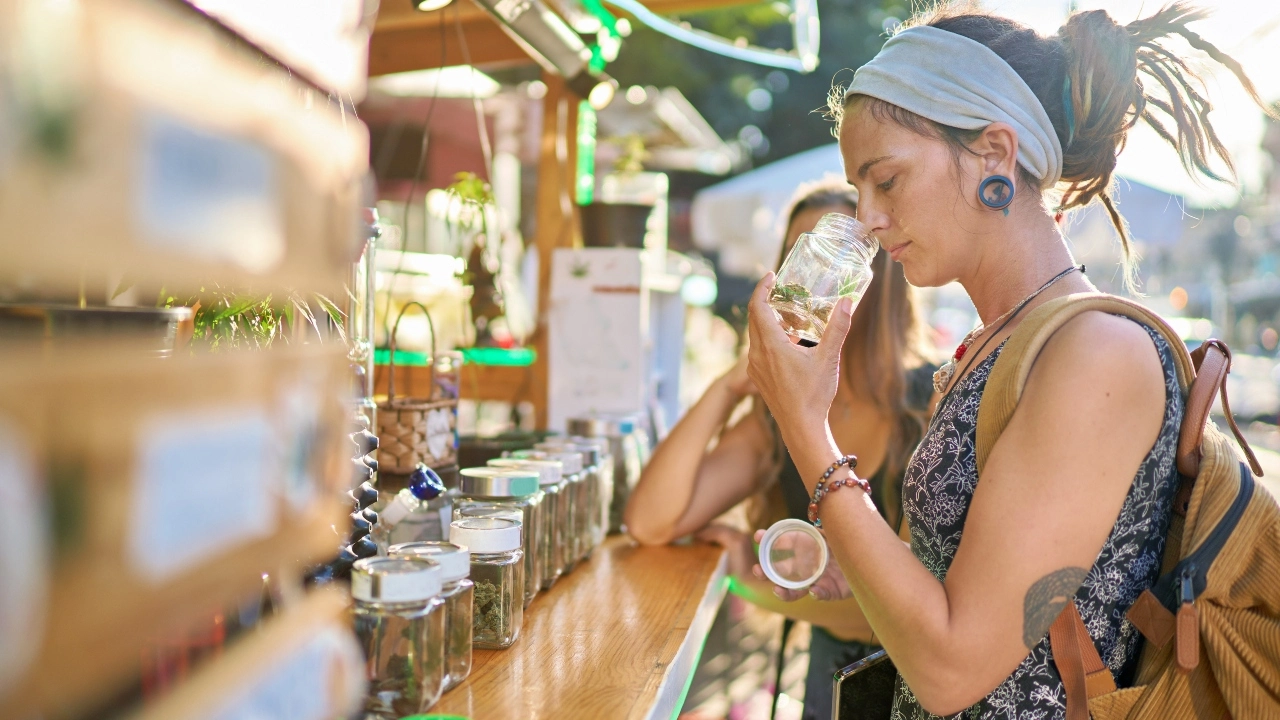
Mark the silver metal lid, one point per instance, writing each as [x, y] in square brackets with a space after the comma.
[395, 579]
[497, 482]
[587, 427]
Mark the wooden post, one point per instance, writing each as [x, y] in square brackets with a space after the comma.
[557, 224]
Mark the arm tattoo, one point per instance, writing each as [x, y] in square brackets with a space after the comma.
[1045, 601]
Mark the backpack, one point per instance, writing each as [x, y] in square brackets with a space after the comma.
[1211, 623]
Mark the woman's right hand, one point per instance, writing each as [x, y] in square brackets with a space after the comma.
[736, 380]
[831, 586]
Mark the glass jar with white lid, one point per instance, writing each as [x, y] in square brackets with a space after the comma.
[551, 483]
[497, 569]
[458, 593]
[517, 489]
[399, 618]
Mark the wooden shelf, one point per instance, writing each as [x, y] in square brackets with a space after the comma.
[619, 637]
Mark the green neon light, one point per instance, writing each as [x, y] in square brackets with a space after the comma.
[697, 659]
[586, 182]
[606, 18]
[513, 357]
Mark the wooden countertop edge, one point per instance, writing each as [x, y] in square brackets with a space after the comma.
[673, 679]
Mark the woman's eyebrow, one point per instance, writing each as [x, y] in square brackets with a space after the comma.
[862, 170]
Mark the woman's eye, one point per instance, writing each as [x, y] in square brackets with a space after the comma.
[887, 184]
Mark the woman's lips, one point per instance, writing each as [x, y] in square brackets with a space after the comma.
[896, 251]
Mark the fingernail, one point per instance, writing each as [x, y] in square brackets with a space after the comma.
[846, 306]
[777, 592]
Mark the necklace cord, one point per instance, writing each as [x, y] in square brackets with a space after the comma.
[955, 380]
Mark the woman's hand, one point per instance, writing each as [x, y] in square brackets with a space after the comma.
[742, 554]
[830, 586]
[797, 383]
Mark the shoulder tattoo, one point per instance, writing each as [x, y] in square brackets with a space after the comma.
[1045, 601]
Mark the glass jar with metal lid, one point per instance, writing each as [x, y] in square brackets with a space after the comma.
[621, 434]
[604, 488]
[515, 488]
[561, 515]
[586, 497]
[399, 617]
[458, 593]
[570, 548]
[497, 569]
[551, 482]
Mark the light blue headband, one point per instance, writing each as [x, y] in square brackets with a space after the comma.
[955, 81]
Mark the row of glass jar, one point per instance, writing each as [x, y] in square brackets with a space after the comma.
[420, 609]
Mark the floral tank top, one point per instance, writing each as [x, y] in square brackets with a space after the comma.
[936, 493]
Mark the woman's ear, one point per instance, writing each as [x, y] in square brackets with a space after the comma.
[997, 146]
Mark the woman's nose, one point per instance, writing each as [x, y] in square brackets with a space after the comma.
[872, 218]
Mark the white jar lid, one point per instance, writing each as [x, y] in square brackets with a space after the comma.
[571, 460]
[793, 554]
[486, 535]
[395, 579]
[454, 560]
[548, 470]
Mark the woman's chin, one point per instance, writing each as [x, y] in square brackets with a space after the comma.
[920, 275]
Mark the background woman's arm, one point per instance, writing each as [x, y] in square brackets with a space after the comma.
[683, 487]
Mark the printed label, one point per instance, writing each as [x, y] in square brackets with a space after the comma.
[24, 561]
[322, 679]
[203, 486]
[208, 196]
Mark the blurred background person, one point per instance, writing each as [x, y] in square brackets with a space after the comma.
[879, 415]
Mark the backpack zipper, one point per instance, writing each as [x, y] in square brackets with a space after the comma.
[1190, 575]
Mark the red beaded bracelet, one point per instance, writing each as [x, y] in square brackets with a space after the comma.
[822, 490]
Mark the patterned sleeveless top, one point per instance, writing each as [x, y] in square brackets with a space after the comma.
[936, 493]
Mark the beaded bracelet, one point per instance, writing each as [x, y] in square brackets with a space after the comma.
[822, 490]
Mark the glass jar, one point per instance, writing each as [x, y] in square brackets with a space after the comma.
[585, 494]
[550, 481]
[561, 514]
[570, 548]
[620, 432]
[831, 262]
[516, 489]
[458, 593]
[497, 569]
[399, 618]
[604, 487]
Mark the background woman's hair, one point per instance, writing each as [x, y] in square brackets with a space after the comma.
[885, 340]
[1095, 79]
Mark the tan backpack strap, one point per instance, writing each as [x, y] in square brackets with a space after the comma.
[1084, 676]
[1009, 375]
[1212, 361]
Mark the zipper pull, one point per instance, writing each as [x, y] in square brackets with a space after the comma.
[1188, 622]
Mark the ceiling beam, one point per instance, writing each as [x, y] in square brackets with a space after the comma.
[405, 39]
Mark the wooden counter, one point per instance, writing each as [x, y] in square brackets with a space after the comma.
[619, 637]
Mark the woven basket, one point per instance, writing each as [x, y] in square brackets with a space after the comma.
[414, 430]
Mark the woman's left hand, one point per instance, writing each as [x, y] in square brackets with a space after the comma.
[832, 585]
[797, 383]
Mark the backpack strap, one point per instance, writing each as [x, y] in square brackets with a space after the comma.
[1212, 361]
